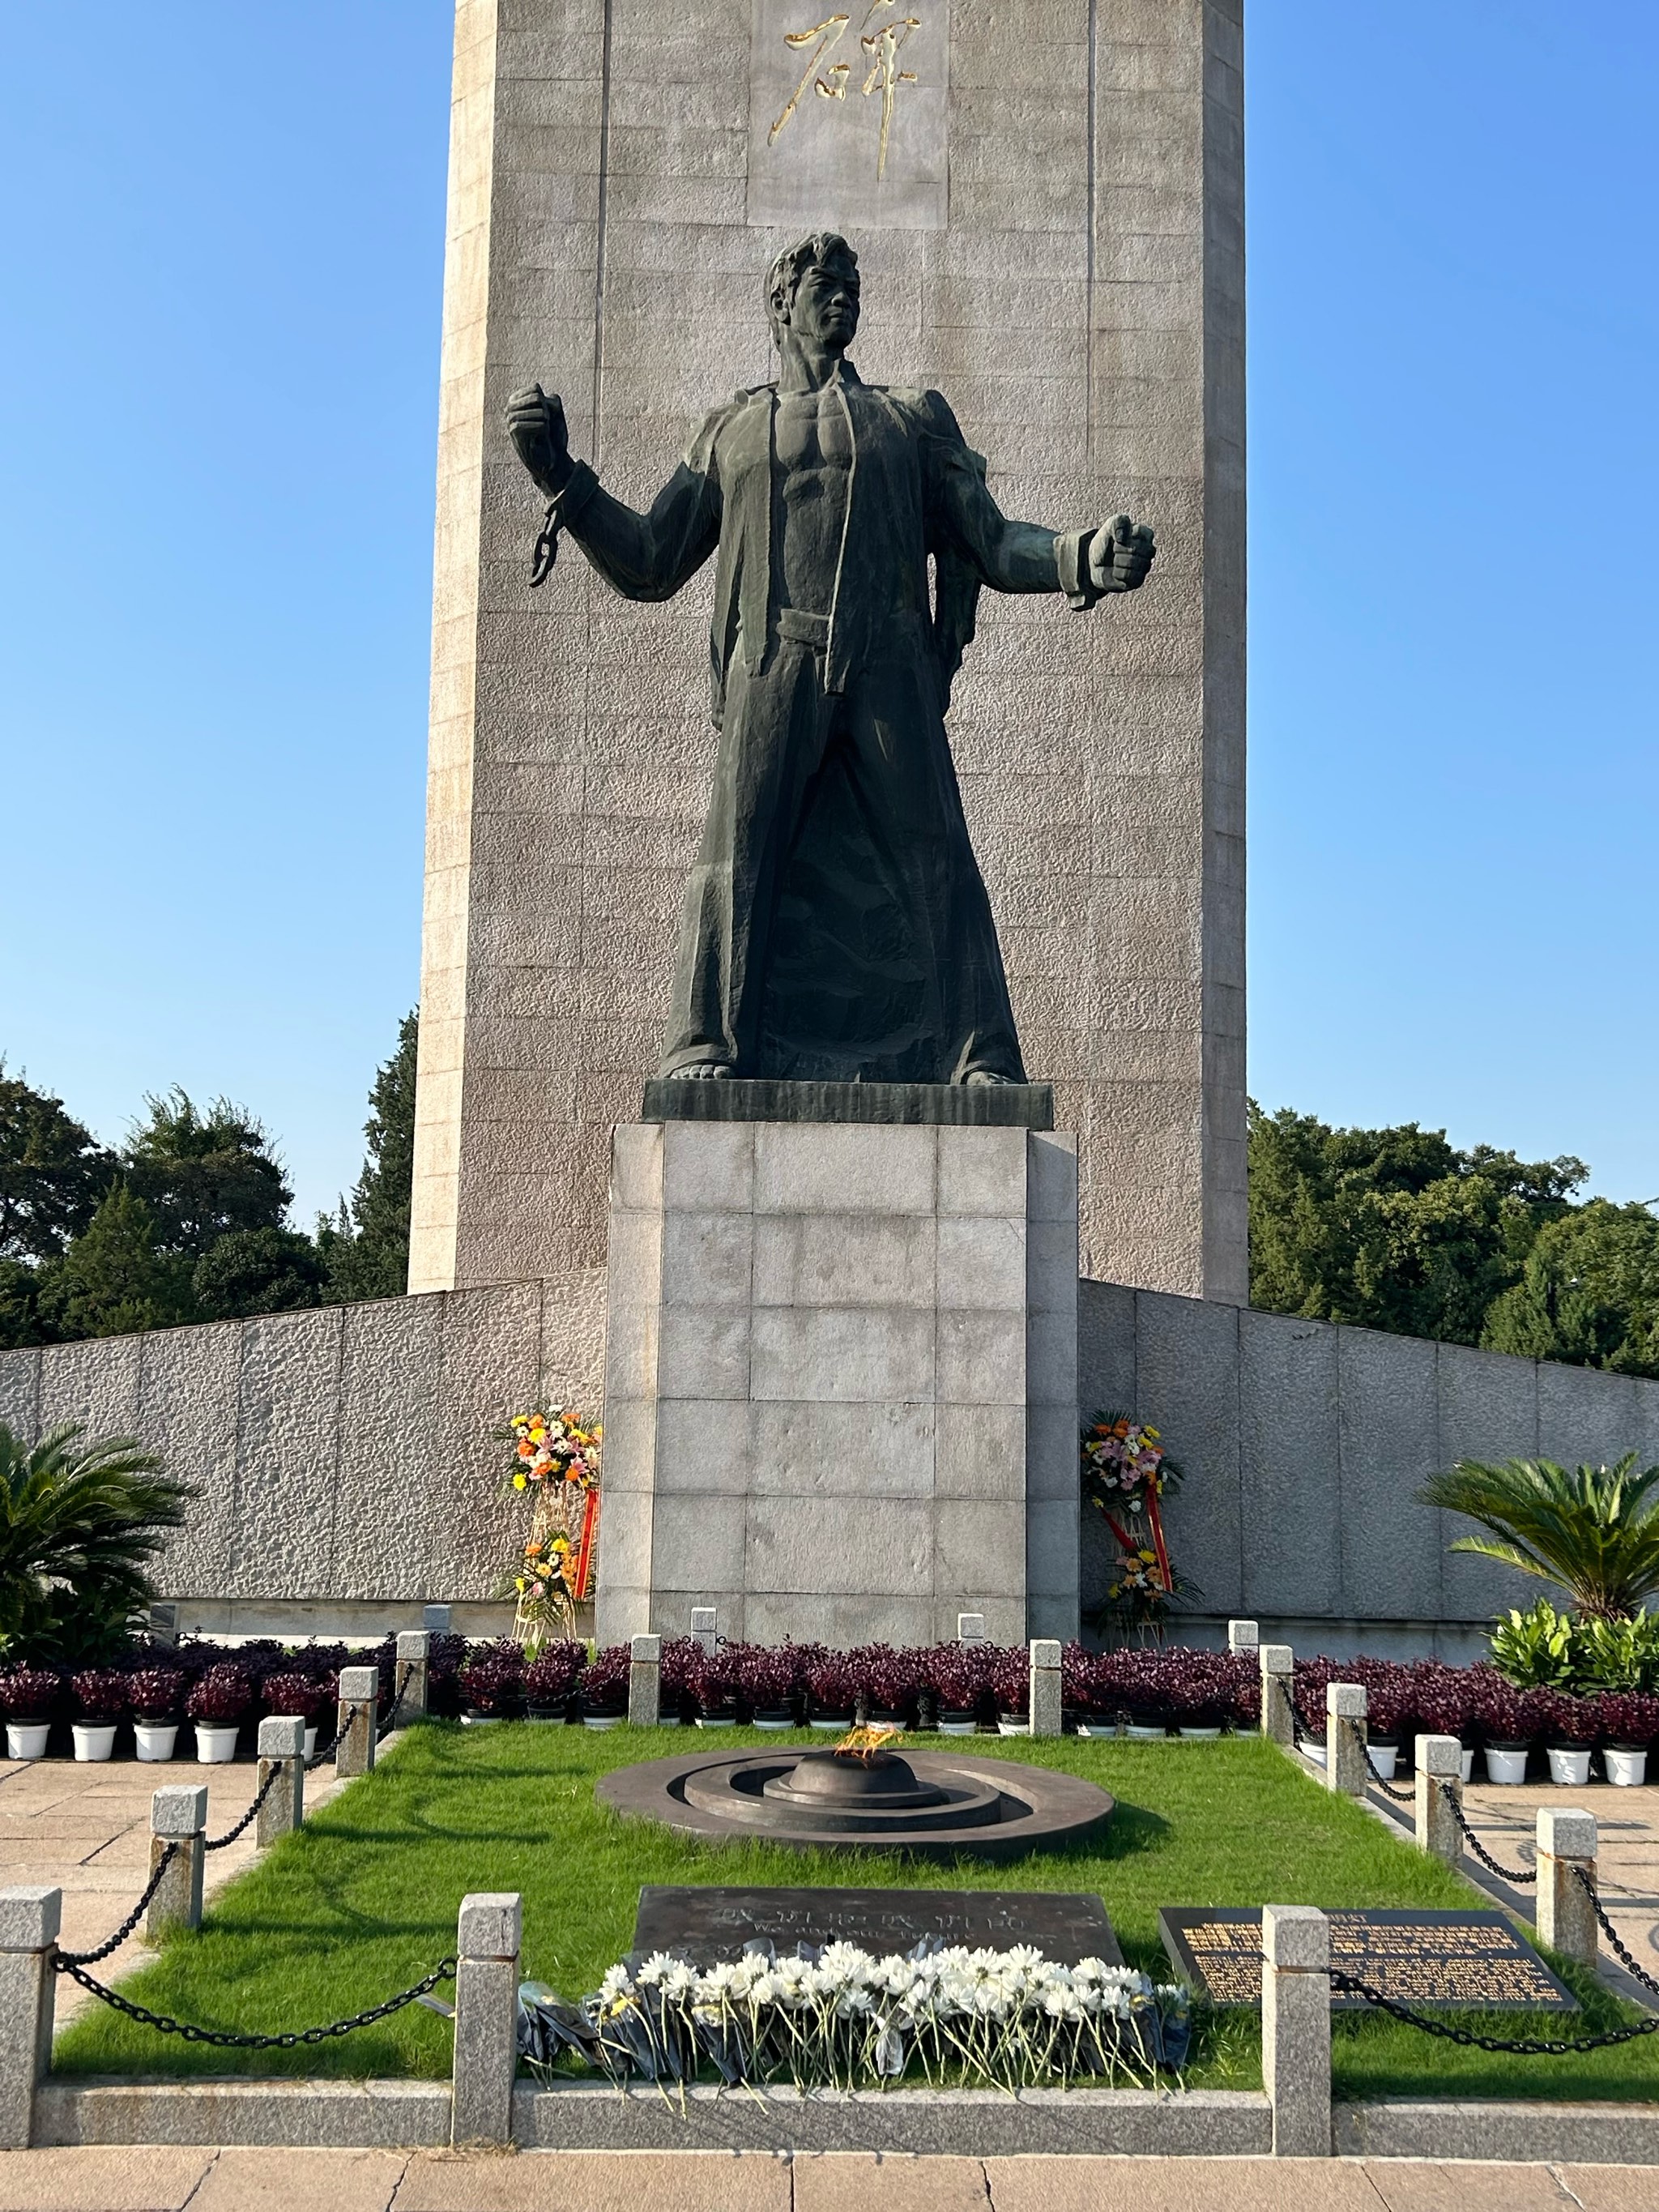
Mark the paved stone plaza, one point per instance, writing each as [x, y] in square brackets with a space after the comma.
[714, 2181]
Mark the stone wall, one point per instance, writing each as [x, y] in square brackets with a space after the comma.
[1077, 290]
[1301, 1443]
[346, 1462]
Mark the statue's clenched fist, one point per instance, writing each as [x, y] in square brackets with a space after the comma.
[1120, 553]
[535, 422]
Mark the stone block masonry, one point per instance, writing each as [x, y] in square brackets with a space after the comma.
[1077, 292]
[840, 1382]
[1301, 1446]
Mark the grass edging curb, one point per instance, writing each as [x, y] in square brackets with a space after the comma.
[1613, 2134]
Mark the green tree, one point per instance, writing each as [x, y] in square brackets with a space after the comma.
[112, 1280]
[52, 1172]
[366, 1247]
[1588, 1292]
[203, 1175]
[20, 1305]
[1393, 1229]
[80, 1521]
[257, 1271]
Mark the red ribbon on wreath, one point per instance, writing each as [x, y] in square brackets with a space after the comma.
[584, 1543]
[1160, 1549]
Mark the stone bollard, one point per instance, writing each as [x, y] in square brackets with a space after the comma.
[283, 1749]
[645, 1682]
[702, 1627]
[1566, 1916]
[1345, 1738]
[1440, 1761]
[1045, 1687]
[30, 1917]
[436, 1618]
[1296, 2028]
[359, 1698]
[486, 2017]
[1244, 1636]
[1278, 1663]
[971, 1628]
[177, 1814]
[409, 1682]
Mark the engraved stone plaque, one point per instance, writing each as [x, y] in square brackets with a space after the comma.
[708, 1924]
[847, 108]
[1417, 1958]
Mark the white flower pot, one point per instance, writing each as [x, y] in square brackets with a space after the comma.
[1385, 1757]
[1311, 1748]
[27, 1739]
[603, 1720]
[1505, 1767]
[214, 1747]
[311, 1741]
[830, 1727]
[479, 1720]
[1006, 1727]
[1145, 1735]
[1200, 1734]
[156, 1739]
[1570, 1767]
[1627, 1770]
[94, 1740]
[776, 1727]
[1468, 1763]
[964, 1728]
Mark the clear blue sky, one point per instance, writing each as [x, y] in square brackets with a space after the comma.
[218, 397]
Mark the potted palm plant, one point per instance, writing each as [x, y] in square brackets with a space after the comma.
[101, 1700]
[28, 1695]
[155, 1699]
[217, 1704]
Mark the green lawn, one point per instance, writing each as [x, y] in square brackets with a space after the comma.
[363, 1901]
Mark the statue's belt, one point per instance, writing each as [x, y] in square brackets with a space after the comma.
[801, 627]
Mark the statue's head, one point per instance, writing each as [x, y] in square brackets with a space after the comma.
[813, 289]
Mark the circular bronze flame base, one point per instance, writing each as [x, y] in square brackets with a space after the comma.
[929, 1804]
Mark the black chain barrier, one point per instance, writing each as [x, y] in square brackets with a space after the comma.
[1524, 2046]
[65, 1962]
[399, 1684]
[322, 1751]
[218, 1842]
[1581, 1874]
[1506, 1873]
[225, 2039]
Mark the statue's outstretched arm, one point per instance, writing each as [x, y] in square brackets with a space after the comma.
[1023, 556]
[643, 556]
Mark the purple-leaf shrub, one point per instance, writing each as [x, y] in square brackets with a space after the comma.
[549, 1680]
[1444, 1700]
[766, 1675]
[603, 1681]
[492, 1680]
[1506, 1715]
[832, 1685]
[101, 1694]
[294, 1696]
[1569, 1720]
[221, 1696]
[958, 1675]
[156, 1693]
[890, 1679]
[28, 1693]
[1011, 1679]
[1630, 1718]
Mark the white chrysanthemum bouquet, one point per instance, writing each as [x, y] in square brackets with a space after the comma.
[839, 2018]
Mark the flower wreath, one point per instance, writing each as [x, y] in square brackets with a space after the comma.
[1126, 1472]
[555, 1456]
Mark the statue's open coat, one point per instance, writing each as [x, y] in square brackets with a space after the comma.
[835, 925]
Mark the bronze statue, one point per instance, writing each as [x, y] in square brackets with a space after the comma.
[835, 925]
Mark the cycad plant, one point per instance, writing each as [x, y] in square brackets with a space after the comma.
[1593, 1531]
[80, 1519]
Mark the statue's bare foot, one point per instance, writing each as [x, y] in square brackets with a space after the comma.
[978, 1078]
[701, 1071]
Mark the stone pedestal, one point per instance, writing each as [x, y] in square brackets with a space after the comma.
[840, 1382]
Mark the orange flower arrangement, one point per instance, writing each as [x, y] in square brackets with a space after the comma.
[555, 1456]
